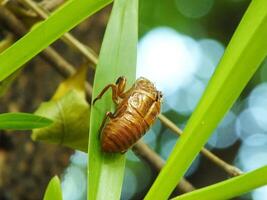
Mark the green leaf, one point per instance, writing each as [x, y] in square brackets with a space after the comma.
[4, 85]
[230, 188]
[243, 56]
[22, 121]
[70, 112]
[46, 32]
[53, 190]
[117, 58]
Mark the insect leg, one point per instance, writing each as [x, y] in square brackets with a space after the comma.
[121, 83]
[114, 93]
[108, 115]
[152, 113]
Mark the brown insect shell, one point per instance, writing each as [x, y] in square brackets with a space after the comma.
[135, 113]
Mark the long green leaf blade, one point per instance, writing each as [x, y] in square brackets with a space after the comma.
[46, 32]
[230, 188]
[246, 51]
[117, 58]
[22, 121]
[53, 190]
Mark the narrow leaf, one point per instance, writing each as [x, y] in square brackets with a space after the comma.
[230, 188]
[22, 121]
[243, 56]
[46, 32]
[53, 190]
[117, 58]
[4, 85]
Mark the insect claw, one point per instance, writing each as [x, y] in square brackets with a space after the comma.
[95, 100]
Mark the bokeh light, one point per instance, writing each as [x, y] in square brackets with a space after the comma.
[179, 66]
[225, 135]
[79, 158]
[252, 157]
[251, 126]
[74, 182]
[212, 52]
[246, 124]
[258, 101]
[260, 193]
[167, 58]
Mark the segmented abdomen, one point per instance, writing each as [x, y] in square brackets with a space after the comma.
[122, 132]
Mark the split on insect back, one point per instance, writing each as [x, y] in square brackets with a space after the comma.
[136, 110]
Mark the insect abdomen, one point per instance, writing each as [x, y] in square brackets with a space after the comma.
[121, 133]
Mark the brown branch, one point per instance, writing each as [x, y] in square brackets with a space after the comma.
[144, 152]
[49, 54]
[51, 4]
[67, 37]
[230, 169]
[6, 41]
[18, 9]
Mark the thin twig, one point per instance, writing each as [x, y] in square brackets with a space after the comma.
[51, 4]
[6, 41]
[49, 54]
[144, 152]
[230, 169]
[67, 37]
[18, 9]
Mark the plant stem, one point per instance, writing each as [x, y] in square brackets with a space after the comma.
[67, 37]
[144, 152]
[230, 188]
[230, 169]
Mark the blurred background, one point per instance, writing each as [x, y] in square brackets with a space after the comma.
[180, 45]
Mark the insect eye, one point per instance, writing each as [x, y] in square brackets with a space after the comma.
[160, 95]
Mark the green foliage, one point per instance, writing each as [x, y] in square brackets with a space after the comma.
[22, 121]
[230, 188]
[70, 112]
[53, 190]
[46, 32]
[243, 56]
[4, 85]
[117, 58]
